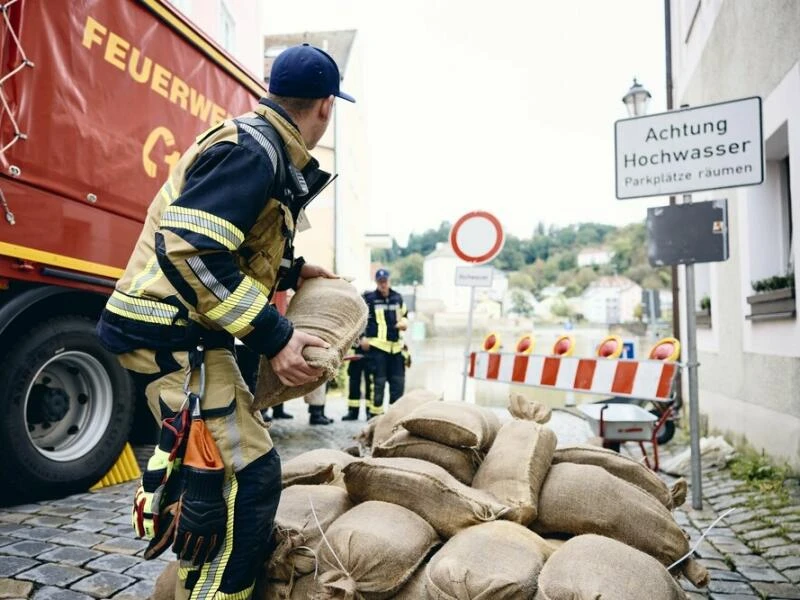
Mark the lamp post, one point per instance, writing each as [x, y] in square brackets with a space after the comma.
[637, 99]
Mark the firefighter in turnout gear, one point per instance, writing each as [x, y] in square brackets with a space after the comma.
[358, 369]
[383, 343]
[217, 243]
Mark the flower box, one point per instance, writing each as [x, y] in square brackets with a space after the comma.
[702, 318]
[772, 305]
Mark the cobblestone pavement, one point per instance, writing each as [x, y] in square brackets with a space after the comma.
[82, 547]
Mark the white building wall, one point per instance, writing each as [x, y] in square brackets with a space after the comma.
[750, 371]
[245, 41]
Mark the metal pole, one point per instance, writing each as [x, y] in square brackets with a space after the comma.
[676, 303]
[469, 341]
[694, 405]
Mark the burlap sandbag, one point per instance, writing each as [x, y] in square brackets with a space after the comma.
[461, 463]
[491, 561]
[372, 550]
[580, 499]
[165, 584]
[304, 588]
[456, 424]
[424, 488]
[623, 467]
[588, 567]
[526, 409]
[315, 467]
[415, 588]
[405, 405]
[298, 529]
[330, 309]
[516, 466]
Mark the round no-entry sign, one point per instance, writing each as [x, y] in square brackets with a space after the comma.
[477, 237]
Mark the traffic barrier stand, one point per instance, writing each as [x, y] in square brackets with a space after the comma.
[125, 469]
[635, 379]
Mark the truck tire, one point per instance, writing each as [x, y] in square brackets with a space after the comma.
[67, 408]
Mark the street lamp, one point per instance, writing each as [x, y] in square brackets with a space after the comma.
[636, 100]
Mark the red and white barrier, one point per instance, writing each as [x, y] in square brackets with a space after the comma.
[645, 379]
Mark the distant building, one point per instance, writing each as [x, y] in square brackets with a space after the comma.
[598, 256]
[611, 300]
[439, 282]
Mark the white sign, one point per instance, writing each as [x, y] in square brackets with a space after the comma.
[474, 276]
[692, 150]
[477, 237]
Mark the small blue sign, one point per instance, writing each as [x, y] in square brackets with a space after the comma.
[628, 349]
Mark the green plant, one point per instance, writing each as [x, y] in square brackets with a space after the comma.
[705, 303]
[778, 282]
[759, 473]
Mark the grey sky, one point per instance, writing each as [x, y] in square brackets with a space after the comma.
[505, 106]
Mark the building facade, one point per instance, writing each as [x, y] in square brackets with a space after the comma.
[611, 300]
[750, 354]
[233, 24]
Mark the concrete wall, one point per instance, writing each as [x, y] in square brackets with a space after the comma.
[750, 371]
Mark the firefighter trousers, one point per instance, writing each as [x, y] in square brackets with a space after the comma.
[386, 367]
[252, 485]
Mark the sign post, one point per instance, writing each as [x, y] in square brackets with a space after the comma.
[476, 238]
[679, 152]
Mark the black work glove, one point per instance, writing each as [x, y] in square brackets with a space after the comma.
[202, 516]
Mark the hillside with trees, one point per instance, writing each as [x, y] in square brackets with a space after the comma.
[548, 257]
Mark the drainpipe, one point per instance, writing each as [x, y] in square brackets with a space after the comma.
[676, 305]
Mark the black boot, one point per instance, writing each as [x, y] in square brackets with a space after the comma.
[316, 416]
[352, 414]
[279, 413]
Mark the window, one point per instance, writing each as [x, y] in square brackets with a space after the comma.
[227, 28]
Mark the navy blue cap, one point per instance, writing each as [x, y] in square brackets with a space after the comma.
[305, 72]
[381, 274]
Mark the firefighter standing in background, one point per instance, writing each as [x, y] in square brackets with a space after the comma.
[382, 341]
[216, 245]
[358, 369]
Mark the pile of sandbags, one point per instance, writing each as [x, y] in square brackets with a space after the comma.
[450, 504]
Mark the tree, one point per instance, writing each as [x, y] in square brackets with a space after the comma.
[520, 280]
[408, 269]
[520, 304]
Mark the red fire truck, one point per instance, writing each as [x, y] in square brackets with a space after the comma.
[97, 100]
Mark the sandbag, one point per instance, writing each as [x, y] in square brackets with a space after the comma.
[165, 584]
[424, 488]
[581, 499]
[405, 405]
[330, 309]
[297, 532]
[415, 588]
[588, 567]
[491, 561]
[619, 466]
[516, 466]
[526, 409]
[303, 588]
[461, 463]
[454, 424]
[315, 467]
[372, 550]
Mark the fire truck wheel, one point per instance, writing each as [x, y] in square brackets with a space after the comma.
[67, 409]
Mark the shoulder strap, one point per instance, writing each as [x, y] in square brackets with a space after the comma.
[269, 139]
